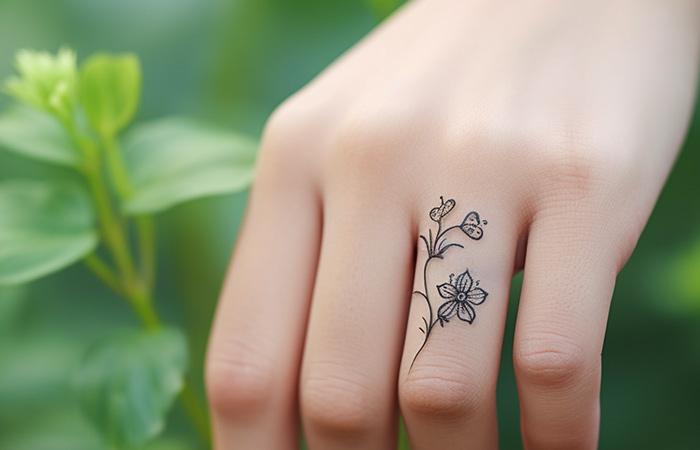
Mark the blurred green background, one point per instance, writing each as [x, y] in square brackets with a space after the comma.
[231, 63]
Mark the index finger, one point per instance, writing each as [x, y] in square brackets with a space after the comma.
[256, 342]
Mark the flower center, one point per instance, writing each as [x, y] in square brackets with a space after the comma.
[461, 297]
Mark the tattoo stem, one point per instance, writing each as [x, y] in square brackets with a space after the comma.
[435, 249]
[431, 321]
[425, 341]
[443, 232]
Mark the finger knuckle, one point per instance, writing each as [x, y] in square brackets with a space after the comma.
[447, 394]
[286, 146]
[577, 171]
[289, 118]
[550, 360]
[366, 147]
[579, 166]
[334, 402]
[238, 381]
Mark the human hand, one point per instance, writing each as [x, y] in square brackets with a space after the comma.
[555, 122]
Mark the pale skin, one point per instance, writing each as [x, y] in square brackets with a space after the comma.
[557, 120]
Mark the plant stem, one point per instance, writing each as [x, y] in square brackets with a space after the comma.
[110, 226]
[147, 250]
[104, 273]
[113, 230]
[141, 296]
[143, 306]
[115, 165]
[136, 287]
[144, 224]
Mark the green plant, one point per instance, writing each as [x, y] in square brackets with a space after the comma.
[101, 213]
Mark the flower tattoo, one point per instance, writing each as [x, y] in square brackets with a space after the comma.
[461, 293]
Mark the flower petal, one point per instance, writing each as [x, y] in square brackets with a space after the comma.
[464, 282]
[477, 296]
[466, 312]
[447, 291]
[447, 310]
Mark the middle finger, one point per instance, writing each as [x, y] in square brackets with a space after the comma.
[455, 329]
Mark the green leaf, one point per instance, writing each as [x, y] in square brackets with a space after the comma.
[127, 384]
[63, 428]
[11, 303]
[36, 369]
[37, 135]
[44, 227]
[174, 160]
[110, 87]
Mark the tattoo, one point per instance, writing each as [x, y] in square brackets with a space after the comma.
[460, 293]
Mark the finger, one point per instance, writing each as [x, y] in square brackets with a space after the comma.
[348, 381]
[455, 329]
[569, 278]
[256, 342]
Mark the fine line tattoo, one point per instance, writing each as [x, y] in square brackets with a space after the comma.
[461, 292]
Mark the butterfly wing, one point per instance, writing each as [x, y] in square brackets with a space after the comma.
[471, 225]
[441, 211]
[472, 219]
[447, 207]
[475, 233]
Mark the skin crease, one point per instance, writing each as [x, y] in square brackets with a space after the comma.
[557, 121]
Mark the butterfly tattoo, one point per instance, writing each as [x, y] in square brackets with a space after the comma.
[472, 225]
